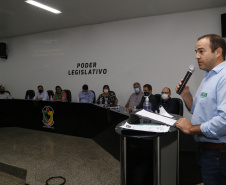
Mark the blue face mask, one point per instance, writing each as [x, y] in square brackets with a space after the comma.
[84, 93]
[137, 90]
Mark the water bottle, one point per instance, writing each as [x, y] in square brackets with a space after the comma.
[118, 108]
[106, 102]
[147, 105]
[134, 109]
[101, 101]
[125, 110]
[63, 100]
[28, 98]
[51, 98]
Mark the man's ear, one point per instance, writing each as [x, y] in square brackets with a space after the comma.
[219, 51]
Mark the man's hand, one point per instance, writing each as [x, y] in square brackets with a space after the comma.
[185, 90]
[186, 95]
[39, 99]
[127, 105]
[185, 126]
[130, 109]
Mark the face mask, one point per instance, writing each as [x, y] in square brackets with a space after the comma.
[84, 93]
[40, 91]
[137, 90]
[165, 96]
[146, 93]
[106, 90]
[2, 92]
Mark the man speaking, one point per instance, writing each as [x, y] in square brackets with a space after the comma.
[208, 123]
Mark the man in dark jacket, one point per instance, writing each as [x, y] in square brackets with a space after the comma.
[147, 89]
[167, 102]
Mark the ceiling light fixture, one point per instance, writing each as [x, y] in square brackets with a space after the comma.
[43, 6]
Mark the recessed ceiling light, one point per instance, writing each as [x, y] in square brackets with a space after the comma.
[43, 6]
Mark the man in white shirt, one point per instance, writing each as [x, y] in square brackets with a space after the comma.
[41, 94]
[3, 94]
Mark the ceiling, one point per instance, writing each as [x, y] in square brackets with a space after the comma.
[19, 18]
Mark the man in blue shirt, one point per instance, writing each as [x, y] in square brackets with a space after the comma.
[208, 123]
[86, 96]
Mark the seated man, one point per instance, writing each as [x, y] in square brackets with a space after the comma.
[41, 94]
[147, 88]
[167, 102]
[86, 96]
[3, 94]
[136, 97]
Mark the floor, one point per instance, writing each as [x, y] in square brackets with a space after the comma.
[34, 156]
[79, 160]
[6, 179]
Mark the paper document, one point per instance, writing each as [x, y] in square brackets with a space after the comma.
[156, 117]
[163, 112]
[147, 127]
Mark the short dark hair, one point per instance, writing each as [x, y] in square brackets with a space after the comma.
[58, 87]
[216, 41]
[136, 83]
[85, 87]
[40, 86]
[148, 86]
[107, 87]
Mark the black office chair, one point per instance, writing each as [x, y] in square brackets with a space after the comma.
[30, 94]
[50, 93]
[114, 94]
[158, 97]
[8, 92]
[68, 92]
[94, 99]
[180, 106]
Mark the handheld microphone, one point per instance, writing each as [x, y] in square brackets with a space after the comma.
[191, 70]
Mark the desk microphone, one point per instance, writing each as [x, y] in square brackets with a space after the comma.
[191, 70]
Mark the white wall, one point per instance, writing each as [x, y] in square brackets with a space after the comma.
[156, 50]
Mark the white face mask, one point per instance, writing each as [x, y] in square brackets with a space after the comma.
[165, 96]
[106, 90]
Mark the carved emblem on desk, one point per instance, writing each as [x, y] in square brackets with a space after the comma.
[48, 112]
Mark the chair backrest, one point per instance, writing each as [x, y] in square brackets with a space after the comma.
[8, 92]
[50, 93]
[180, 106]
[115, 96]
[68, 92]
[94, 99]
[30, 93]
[158, 97]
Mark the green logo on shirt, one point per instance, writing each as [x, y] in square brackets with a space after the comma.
[203, 95]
